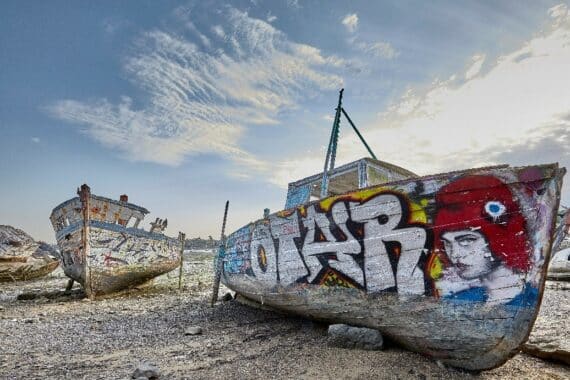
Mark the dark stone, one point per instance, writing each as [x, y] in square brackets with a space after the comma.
[227, 297]
[146, 370]
[355, 337]
[26, 296]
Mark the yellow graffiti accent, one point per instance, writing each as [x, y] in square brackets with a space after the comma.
[285, 213]
[358, 196]
[418, 212]
[435, 268]
[331, 279]
[262, 257]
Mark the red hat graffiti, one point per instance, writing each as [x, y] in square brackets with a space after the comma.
[486, 204]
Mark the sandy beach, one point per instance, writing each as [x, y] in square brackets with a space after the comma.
[46, 334]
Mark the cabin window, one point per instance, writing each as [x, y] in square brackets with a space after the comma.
[131, 223]
[122, 222]
[60, 222]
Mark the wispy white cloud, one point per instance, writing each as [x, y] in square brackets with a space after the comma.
[380, 49]
[271, 17]
[35, 140]
[350, 21]
[202, 95]
[516, 110]
[475, 68]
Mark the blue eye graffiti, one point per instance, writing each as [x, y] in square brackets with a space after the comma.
[495, 209]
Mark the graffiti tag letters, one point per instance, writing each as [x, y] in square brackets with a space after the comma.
[370, 244]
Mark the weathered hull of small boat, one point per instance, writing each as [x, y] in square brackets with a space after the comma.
[118, 258]
[22, 258]
[25, 268]
[451, 266]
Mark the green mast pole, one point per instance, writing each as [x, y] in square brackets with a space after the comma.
[331, 151]
[359, 135]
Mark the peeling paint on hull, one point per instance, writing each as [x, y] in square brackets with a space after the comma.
[102, 253]
[27, 268]
[22, 258]
[451, 266]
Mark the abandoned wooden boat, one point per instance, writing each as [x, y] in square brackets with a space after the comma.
[451, 265]
[22, 258]
[103, 248]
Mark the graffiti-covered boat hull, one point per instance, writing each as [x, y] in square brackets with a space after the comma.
[103, 254]
[451, 266]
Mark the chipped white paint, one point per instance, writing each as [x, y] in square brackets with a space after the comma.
[23, 258]
[452, 265]
[115, 253]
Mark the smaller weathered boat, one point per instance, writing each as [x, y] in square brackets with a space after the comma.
[451, 265]
[22, 258]
[103, 248]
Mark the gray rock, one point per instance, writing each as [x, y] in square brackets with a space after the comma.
[193, 330]
[146, 370]
[355, 337]
[227, 297]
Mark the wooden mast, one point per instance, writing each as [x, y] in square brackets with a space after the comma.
[84, 193]
[219, 261]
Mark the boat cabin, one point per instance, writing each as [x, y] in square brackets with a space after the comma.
[352, 176]
[101, 209]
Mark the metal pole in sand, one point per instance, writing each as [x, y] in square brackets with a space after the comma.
[219, 259]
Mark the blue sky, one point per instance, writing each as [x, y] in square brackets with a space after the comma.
[184, 104]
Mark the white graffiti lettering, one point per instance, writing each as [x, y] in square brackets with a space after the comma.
[379, 216]
[344, 250]
[291, 266]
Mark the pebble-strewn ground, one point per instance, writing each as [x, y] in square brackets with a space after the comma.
[70, 337]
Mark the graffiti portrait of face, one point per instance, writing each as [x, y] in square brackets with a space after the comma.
[469, 252]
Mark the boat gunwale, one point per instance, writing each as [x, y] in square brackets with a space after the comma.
[132, 231]
[354, 164]
[554, 166]
[131, 206]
